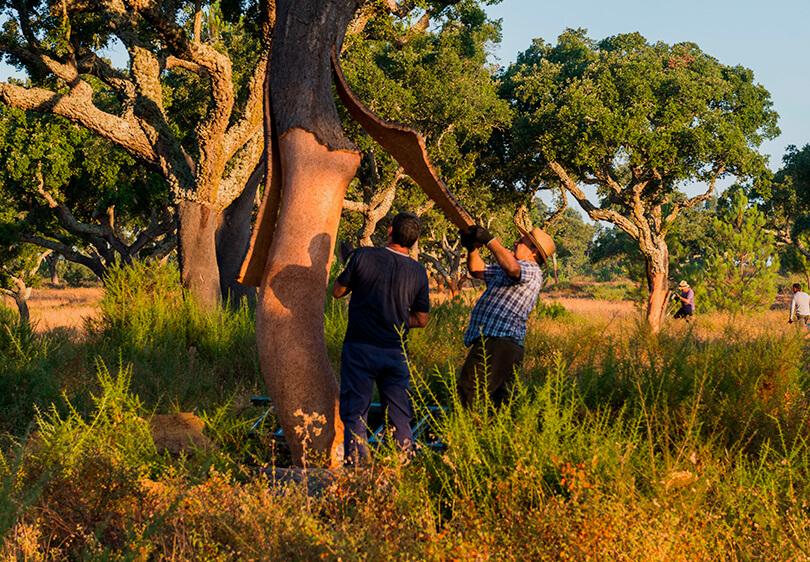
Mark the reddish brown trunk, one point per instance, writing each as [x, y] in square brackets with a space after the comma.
[657, 266]
[289, 328]
[316, 163]
[196, 248]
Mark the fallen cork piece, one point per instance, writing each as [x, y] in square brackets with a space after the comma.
[177, 433]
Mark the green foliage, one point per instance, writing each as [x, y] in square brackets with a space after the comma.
[180, 351]
[615, 291]
[82, 172]
[629, 105]
[742, 265]
[27, 361]
[115, 434]
[573, 237]
[438, 82]
[551, 310]
[785, 201]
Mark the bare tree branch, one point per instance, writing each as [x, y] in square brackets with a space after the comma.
[596, 213]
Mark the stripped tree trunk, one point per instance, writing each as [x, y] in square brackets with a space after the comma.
[657, 270]
[315, 162]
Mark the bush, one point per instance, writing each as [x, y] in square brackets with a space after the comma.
[180, 352]
[742, 264]
[27, 361]
[617, 291]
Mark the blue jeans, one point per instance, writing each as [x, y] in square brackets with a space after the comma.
[361, 366]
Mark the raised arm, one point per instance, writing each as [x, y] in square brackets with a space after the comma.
[505, 258]
[477, 236]
[475, 264]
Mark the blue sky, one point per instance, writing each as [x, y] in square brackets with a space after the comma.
[771, 38]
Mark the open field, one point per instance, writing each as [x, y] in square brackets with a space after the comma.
[62, 307]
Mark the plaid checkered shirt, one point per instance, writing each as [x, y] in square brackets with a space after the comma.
[503, 309]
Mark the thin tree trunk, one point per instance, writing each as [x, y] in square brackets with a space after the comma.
[317, 162]
[657, 269]
[21, 300]
[196, 248]
[53, 261]
[233, 240]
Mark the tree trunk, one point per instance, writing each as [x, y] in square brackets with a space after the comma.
[53, 261]
[233, 240]
[196, 249]
[657, 269]
[21, 300]
[316, 164]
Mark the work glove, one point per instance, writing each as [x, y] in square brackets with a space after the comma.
[482, 235]
[467, 238]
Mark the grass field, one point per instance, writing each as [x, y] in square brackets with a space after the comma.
[616, 445]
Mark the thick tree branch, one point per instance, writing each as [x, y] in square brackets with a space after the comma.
[78, 107]
[596, 213]
[689, 203]
[94, 264]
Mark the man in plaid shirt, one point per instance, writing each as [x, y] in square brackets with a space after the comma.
[498, 320]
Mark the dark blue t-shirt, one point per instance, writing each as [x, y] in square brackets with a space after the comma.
[386, 287]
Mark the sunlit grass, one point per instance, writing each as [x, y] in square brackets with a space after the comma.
[615, 445]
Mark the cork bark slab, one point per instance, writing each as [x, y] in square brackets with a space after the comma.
[406, 146]
[176, 433]
[256, 258]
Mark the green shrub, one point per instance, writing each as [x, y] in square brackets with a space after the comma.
[181, 353]
[27, 364]
[551, 310]
[618, 291]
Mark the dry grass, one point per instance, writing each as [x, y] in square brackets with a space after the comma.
[62, 307]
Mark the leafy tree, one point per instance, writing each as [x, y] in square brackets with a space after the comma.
[19, 263]
[785, 201]
[573, 237]
[637, 121]
[742, 264]
[189, 104]
[74, 193]
[437, 81]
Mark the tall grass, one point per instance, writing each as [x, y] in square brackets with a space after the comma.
[614, 445]
[181, 353]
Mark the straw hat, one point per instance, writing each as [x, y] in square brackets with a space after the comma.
[683, 284]
[541, 241]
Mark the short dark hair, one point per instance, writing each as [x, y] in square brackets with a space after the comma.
[797, 286]
[405, 229]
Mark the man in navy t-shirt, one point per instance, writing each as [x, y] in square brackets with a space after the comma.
[389, 296]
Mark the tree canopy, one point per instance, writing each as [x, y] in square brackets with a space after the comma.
[637, 121]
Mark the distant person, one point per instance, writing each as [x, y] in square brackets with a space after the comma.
[389, 296]
[686, 296]
[497, 326]
[799, 306]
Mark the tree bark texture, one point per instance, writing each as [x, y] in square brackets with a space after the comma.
[233, 240]
[21, 300]
[316, 163]
[197, 253]
[53, 272]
